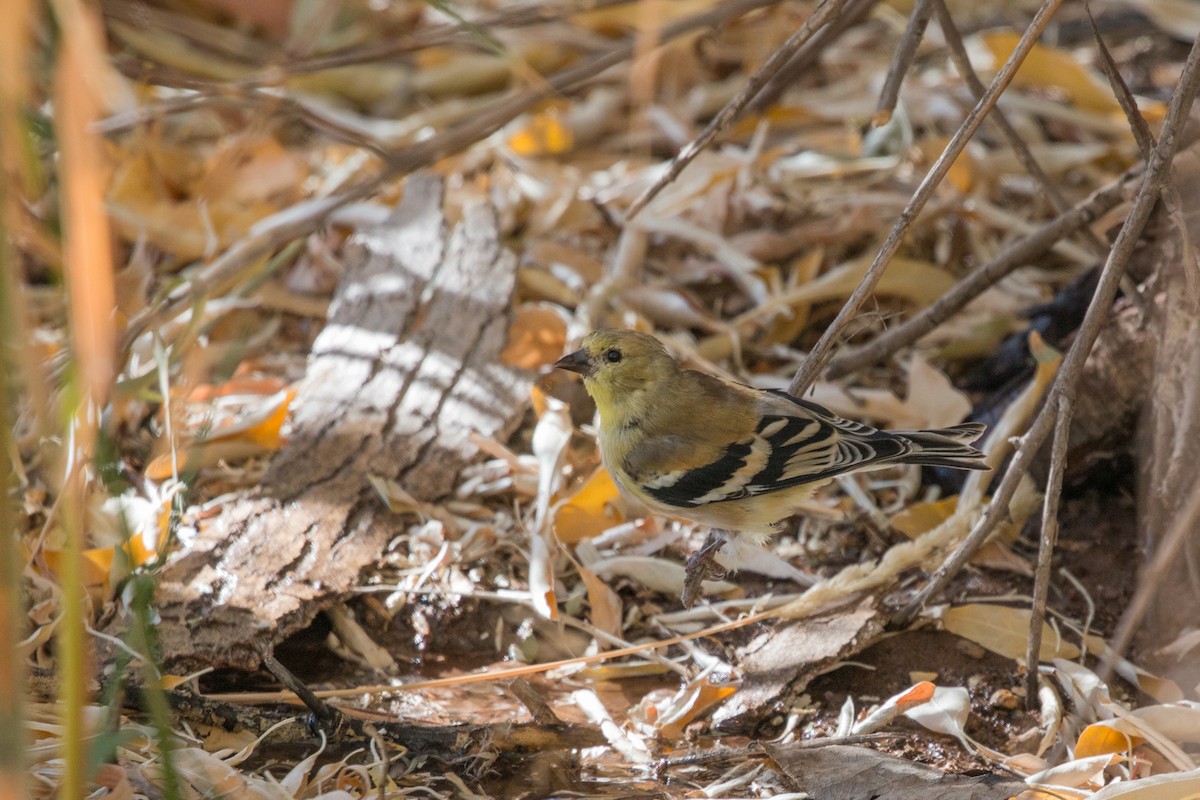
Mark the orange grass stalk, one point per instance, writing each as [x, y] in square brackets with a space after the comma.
[89, 280]
[15, 40]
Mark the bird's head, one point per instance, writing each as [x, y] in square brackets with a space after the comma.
[619, 366]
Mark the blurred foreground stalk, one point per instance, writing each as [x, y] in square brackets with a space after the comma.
[14, 51]
[90, 298]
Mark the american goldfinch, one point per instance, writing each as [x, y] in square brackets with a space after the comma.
[726, 455]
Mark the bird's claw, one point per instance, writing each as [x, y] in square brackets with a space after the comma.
[702, 566]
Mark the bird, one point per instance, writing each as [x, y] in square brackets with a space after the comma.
[729, 456]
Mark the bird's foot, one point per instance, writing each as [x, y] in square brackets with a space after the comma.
[702, 566]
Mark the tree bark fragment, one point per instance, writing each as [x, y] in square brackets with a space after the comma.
[407, 367]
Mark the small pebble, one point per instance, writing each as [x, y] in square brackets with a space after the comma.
[1004, 698]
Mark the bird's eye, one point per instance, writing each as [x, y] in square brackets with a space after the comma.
[612, 355]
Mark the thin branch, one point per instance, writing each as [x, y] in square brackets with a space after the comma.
[826, 12]
[303, 219]
[804, 59]
[432, 36]
[962, 62]
[1016, 255]
[1137, 123]
[902, 61]
[823, 350]
[1041, 581]
[1062, 426]
[1066, 382]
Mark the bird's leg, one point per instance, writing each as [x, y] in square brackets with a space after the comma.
[702, 565]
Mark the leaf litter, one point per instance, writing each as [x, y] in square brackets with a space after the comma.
[535, 559]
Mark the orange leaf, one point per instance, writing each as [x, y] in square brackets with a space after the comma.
[918, 694]
[590, 511]
[536, 337]
[258, 433]
[97, 569]
[704, 697]
[546, 134]
[1098, 740]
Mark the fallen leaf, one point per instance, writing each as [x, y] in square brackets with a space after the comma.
[605, 604]
[255, 434]
[536, 337]
[590, 511]
[543, 134]
[672, 715]
[1046, 67]
[1004, 631]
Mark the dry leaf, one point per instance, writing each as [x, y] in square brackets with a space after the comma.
[670, 716]
[255, 434]
[545, 133]
[605, 604]
[1004, 631]
[1046, 68]
[593, 509]
[536, 337]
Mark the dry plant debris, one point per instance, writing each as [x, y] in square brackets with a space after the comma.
[286, 281]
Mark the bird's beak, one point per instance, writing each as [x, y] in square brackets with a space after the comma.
[579, 361]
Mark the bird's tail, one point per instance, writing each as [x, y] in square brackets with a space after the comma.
[948, 447]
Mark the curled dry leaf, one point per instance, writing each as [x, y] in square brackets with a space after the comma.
[669, 716]
[946, 711]
[255, 434]
[1179, 786]
[550, 439]
[1080, 772]
[894, 706]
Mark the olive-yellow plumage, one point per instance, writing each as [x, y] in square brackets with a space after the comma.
[728, 455]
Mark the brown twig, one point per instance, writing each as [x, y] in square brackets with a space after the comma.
[330, 718]
[902, 61]
[1137, 123]
[823, 349]
[1041, 581]
[307, 217]
[805, 58]
[1016, 255]
[826, 12]
[1062, 426]
[1066, 382]
[962, 62]
[432, 36]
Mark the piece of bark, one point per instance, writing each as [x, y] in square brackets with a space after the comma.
[849, 773]
[406, 368]
[778, 665]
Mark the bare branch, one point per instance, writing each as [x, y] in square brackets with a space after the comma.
[1016, 255]
[1041, 581]
[1157, 173]
[823, 350]
[902, 61]
[826, 12]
